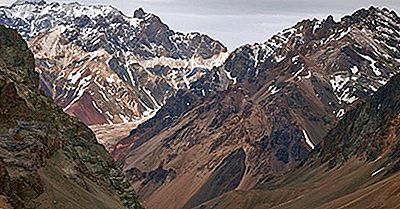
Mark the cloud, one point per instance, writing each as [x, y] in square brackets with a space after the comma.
[235, 22]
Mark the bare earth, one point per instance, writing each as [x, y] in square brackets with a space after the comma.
[109, 135]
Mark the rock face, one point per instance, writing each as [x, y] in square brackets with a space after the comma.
[105, 67]
[355, 166]
[369, 131]
[47, 158]
[274, 100]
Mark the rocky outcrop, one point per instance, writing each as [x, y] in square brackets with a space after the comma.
[275, 100]
[49, 159]
[369, 131]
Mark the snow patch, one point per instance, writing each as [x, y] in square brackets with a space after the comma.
[75, 75]
[279, 59]
[340, 113]
[97, 108]
[110, 79]
[82, 87]
[308, 140]
[377, 172]
[148, 92]
[308, 76]
[194, 62]
[295, 59]
[299, 71]
[124, 118]
[228, 74]
[338, 82]
[372, 65]
[344, 33]
[346, 96]
[104, 96]
[373, 88]
[354, 69]
[273, 89]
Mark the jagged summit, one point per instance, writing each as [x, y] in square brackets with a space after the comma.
[38, 2]
[139, 13]
[365, 16]
[312, 35]
[115, 68]
[276, 100]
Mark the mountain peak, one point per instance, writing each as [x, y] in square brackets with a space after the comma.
[373, 12]
[39, 2]
[139, 13]
[102, 31]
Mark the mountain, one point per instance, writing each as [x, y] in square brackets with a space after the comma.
[47, 158]
[356, 166]
[262, 111]
[105, 67]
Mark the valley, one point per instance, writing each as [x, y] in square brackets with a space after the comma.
[99, 109]
[283, 97]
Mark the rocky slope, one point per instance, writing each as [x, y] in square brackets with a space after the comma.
[356, 166]
[263, 111]
[47, 158]
[105, 67]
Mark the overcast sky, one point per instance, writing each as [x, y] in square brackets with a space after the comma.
[235, 22]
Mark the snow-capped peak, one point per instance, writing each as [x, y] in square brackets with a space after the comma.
[129, 65]
[20, 2]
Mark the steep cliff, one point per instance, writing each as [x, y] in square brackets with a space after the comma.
[47, 158]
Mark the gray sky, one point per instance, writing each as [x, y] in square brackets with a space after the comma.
[235, 22]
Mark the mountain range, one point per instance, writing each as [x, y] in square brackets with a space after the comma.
[307, 119]
[281, 99]
[355, 166]
[105, 67]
